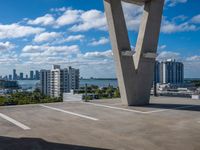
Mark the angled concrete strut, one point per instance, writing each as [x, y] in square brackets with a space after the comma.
[134, 71]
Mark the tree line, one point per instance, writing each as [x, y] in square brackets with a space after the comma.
[22, 98]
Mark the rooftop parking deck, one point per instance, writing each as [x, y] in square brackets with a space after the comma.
[166, 124]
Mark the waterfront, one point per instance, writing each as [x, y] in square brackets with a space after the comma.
[99, 82]
[32, 84]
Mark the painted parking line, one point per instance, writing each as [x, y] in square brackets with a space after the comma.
[71, 113]
[15, 122]
[117, 108]
[137, 111]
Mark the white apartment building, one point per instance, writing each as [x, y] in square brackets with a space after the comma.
[57, 81]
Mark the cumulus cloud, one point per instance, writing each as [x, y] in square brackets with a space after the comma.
[46, 36]
[162, 47]
[173, 3]
[74, 38]
[91, 19]
[101, 41]
[69, 17]
[17, 31]
[62, 9]
[172, 27]
[45, 20]
[8, 59]
[168, 55]
[47, 50]
[133, 14]
[97, 54]
[196, 19]
[95, 19]
[194, 58]
[4, 46]
[7, 55]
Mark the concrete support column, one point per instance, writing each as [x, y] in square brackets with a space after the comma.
[134, 72]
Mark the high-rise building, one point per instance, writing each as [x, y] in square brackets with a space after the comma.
[73, 78]
[37, 75]
[45, 81]
[21, 76]
[10, 77]
[171, 71]
[57, 81]
[157, 72]
[14, 74]
[31, 75]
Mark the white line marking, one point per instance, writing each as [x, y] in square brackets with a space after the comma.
[137, 111]
[15, 122]
[71, 113]
[117, 108]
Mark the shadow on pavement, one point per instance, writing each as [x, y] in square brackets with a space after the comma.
[7, 143]
[188, 107]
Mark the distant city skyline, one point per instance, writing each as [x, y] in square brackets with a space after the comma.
[15, 75]
[71, 34]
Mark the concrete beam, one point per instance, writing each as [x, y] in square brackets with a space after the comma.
[134, 73]
[138, 2]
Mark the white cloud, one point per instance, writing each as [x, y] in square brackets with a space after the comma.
[171, 27]
[133, 14]
[46, 36]
[194, 58]
[95, 19]
[7, 55]
[161, 47]
[4, 46]
[91, 19]
[101, 41]
[97, 54]
[48, 19]
[86, 20]
[196, 19]
[44, 57]
[8, 60]
[62, 9]
[69, 17]
[168, 55]
[46, 50]
[173, 3]
[74, 38]
[17, 31]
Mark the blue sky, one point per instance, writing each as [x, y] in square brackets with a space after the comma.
[34, 34]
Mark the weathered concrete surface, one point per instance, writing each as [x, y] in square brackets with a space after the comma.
[138, 2]
[134, 73]
[172, 125]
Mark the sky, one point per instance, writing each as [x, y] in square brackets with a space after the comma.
[34, 34]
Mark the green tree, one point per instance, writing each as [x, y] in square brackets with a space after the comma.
[109, 91]
[116, 93]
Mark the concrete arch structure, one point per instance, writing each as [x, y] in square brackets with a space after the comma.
[134, 70]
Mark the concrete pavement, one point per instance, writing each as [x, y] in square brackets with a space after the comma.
[168, 123]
